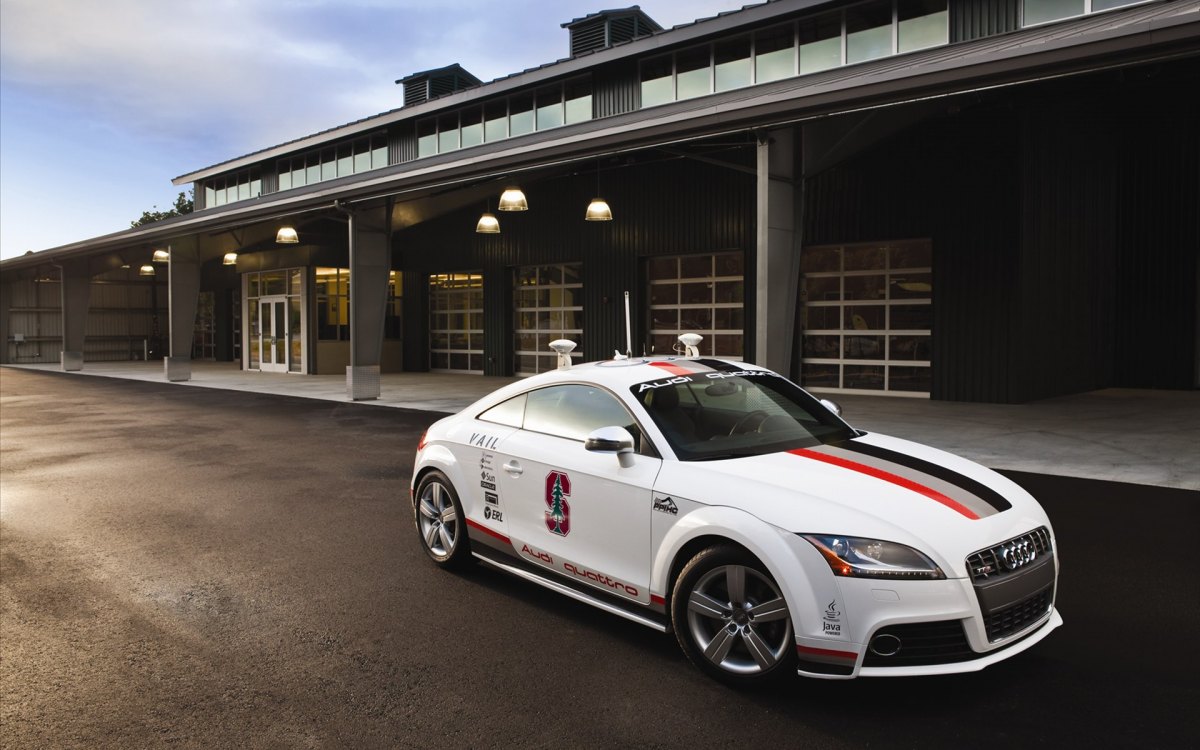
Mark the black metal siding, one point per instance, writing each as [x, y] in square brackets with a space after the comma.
[402, 144]
[616, 89]
[1064, 229]
[973, 19]
[667, 208]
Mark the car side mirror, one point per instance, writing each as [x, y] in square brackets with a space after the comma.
[832, 406]
[612, 440]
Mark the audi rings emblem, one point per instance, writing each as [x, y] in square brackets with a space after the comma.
[1017, 554]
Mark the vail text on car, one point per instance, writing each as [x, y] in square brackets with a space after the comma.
[720, 501]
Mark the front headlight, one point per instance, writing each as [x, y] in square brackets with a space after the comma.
[856, 557]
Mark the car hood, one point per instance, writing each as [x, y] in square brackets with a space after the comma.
[871, 486]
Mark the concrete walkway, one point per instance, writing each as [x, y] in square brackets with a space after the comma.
[1136, 436]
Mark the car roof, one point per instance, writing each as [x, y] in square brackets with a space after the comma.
[619, 374]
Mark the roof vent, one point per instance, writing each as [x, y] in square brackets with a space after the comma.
[608, 27]
[430, 84]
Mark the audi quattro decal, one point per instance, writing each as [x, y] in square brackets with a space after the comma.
[575, 570]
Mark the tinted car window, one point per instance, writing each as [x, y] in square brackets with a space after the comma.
[509, 412]
[573, 411]
[707, 416]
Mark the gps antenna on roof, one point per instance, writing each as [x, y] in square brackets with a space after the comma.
[563, 348]
[691, 344]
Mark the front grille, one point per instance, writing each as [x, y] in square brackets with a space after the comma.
[924, 643]
[986, 564]
[1016, 617]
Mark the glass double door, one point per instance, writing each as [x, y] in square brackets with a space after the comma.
[273, 338]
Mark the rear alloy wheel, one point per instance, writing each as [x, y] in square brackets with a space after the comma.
[731, 619]
[440, 521]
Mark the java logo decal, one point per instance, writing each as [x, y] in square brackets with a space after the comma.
[558, 513]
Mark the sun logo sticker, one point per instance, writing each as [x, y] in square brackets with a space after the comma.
[558, 510]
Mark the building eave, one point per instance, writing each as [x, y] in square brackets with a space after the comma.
[1138, 36]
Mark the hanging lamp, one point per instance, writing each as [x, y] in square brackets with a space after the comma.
[146, 270]
[230, 259]
[287, 236]
[487, 224]
[512, 199]
[598, 209]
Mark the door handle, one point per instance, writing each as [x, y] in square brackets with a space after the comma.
[513, 468]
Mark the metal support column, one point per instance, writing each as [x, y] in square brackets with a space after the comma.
[370, 262]
[5, 305]
[778, 258]
[76, 290]
[183, 295]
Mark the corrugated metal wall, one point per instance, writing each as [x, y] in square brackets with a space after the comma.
[665, 208]
[972, 19]
[402, 143]
[616, 89]
[1064, 228]
[120, 318]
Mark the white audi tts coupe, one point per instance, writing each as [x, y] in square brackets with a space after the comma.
[719, 500]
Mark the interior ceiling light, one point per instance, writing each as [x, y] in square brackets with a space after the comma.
[146, 270]
[512, 199]
[230, 259]
[161, 256]
[598, 210]
[287, 236]
[488, 224]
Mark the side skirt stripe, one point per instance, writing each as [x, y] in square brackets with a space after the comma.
[899, 481]
[486, 530]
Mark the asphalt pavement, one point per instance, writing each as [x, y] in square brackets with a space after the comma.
[202, 568]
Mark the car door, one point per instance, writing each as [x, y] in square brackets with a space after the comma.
[577, 512]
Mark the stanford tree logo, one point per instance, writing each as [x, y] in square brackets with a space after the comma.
[558, 513]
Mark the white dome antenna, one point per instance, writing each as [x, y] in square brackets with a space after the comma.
[691, 344]
[563, 348]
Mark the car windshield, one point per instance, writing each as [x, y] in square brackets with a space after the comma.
[715, 415]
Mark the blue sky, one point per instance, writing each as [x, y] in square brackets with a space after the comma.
[102, 103]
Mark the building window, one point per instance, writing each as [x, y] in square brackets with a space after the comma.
[456, 322]
[863, 32]
[549, 306]
[702, 294]
[344, 159]
[867, 318]
[229, 188]
[333, 304]
[393, 319]
[1042, 11]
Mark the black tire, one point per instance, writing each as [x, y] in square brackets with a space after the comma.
[731, 620]
[440, 522]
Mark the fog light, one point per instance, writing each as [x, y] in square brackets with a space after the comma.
[885, 644]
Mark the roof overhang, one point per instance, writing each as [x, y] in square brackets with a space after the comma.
[1136, 36]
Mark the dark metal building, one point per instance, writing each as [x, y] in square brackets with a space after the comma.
[979, 200]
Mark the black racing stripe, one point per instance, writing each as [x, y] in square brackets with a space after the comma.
[982, 491]
[718, 365]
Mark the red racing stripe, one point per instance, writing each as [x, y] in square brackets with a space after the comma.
[671, 368]
[899, 481]
[656, 599]
[826, 652]
[489, 532]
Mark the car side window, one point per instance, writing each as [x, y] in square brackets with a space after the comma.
[573, 411]
[510, 412]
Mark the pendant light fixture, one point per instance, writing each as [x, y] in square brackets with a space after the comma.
[287, 236]
[146, 270]
[487, 224]
[598, 209]
[161, 256]
[230, 259]
[512, 199]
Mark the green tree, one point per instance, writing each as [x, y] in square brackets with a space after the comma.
[556, 505]
[184, 204]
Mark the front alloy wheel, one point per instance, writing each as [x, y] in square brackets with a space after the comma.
[439, 518]
[731, 619]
